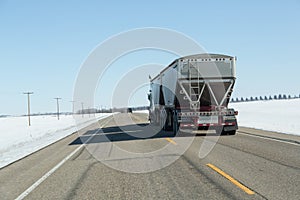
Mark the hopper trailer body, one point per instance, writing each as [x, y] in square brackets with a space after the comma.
[193, 93]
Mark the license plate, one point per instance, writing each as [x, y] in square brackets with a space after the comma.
[208, 120]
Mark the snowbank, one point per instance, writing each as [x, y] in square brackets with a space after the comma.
[276, 115]
[18, 140]
[141, 111]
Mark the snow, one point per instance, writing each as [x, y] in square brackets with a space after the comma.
[275, 115]
[18, 140]
[141, 111]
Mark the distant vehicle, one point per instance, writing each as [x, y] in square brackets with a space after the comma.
[193, 92]
[129, 110]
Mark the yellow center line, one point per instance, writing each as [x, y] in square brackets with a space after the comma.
[235, 182]
[171, 141]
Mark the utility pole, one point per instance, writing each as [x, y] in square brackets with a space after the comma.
[73, 110]
[82, 109]
[28, 105]
[57, 105]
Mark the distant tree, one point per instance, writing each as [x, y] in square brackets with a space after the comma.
[251, 99]
[279, 96]
[275, 97]
[289, 97]
[266, 98]
[284, 96]
[270, 97]
[237, 99]
[232, 100]
[256, 98]
[247, 99]
[260, 98]
[242, 99]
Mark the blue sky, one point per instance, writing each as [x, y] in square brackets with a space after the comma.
[44, 43]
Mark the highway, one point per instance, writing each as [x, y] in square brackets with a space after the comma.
[111, 160]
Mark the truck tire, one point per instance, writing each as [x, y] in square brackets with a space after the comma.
[168, 120]
[175, 123]
[221, 131]
[231, 132]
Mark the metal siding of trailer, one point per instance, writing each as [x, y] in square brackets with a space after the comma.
[233, 68]
[214, 67]
[206, 71]
[211, 69]
[155, 91]
[169, 80]
[225, 68]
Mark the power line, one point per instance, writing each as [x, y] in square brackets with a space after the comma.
[28, 105]
[57, 106]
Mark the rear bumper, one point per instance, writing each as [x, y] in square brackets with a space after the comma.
[231, 125]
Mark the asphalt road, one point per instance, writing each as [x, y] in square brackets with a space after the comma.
[116, 161]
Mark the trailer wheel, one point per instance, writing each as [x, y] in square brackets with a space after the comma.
[175, 123]
[231, 132]
[221, 131]
[228, 132]
[168, 120]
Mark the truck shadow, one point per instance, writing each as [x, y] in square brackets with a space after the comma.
[142, 131]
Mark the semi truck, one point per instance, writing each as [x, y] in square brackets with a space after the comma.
[193, 92]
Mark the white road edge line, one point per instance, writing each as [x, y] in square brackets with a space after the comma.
[38, 182]
[268, 138]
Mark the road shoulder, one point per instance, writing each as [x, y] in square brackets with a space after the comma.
[270, 134]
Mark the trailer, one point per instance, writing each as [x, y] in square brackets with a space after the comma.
[193, 93]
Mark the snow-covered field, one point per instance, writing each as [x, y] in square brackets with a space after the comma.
[276, 115]
[18, 140]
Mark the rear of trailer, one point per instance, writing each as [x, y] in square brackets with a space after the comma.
[193, 92]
